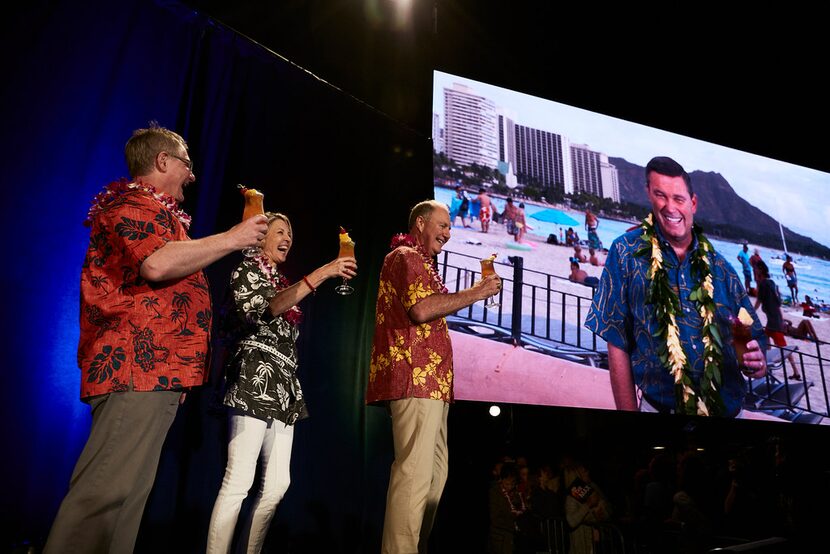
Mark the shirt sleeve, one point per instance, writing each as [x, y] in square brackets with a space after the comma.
[609, 316]
[133, 226]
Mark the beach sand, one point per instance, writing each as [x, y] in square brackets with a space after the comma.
[541, 257]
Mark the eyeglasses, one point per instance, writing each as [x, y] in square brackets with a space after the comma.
[186, 162]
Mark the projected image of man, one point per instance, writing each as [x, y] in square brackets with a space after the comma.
[664, 304]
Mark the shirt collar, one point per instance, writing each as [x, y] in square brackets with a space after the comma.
[666, 246]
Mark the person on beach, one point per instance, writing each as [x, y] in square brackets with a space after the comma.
[808, 307]
[485, 213]
[455, 204]
[521, 223]
[591, 224]
[581, 276]
[746, 266]
[804, 330]
[578, 254]
[411, 372]
[770, 301]
[753, 261]
[571, 237]
[792, 279]
[593, 259]
[509, 216]
[664, 301]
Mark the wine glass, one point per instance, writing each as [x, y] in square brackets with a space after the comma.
[487, 269]
[253, 207]
[346, 251]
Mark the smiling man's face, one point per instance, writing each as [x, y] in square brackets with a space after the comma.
[673, 208]
[434, 230]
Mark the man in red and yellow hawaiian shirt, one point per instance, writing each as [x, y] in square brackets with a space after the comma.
[145, 323]
[411, 371]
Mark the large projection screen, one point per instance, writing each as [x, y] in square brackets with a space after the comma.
[559, 161]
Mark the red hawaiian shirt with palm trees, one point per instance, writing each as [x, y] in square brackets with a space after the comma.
[153, 335]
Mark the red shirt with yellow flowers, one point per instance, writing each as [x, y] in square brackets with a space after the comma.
[408, 359]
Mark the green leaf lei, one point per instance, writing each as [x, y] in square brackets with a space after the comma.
[690, 400]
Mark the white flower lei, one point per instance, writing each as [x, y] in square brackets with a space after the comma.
[691, 401]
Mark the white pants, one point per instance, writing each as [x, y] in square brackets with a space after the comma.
[251, 439]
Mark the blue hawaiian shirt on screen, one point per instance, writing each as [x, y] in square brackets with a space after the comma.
[620, 315]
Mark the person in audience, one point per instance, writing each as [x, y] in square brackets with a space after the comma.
[694, 510]
[585, 506]
[546, 508]
[593, 259]
[506, 506]
[745, 510]
[656, 503]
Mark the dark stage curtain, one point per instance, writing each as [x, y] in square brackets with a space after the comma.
[79, 77]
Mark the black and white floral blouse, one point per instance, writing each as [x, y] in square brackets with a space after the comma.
[261, 373]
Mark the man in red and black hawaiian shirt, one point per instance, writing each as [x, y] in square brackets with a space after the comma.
[145, 320]
[411, 372]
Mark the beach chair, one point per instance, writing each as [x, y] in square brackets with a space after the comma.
[774, 395]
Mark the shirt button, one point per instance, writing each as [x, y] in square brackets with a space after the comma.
[694, 346]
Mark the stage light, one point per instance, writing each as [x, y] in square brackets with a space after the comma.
[495, 410]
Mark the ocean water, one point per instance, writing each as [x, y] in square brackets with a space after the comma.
[813, 273]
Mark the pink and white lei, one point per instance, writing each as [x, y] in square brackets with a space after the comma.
[292, 315]
[405, 239]
[113, 191]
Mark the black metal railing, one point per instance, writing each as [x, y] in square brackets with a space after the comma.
[779, 393]
[534, 306]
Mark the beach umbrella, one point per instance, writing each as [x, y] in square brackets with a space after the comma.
[551, 215]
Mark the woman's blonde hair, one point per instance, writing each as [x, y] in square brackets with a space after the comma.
[273, 216]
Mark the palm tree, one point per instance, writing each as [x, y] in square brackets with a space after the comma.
[181, 301]
[152, 302]
[98, 282]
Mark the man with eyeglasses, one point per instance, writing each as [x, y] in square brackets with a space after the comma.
[145, 324]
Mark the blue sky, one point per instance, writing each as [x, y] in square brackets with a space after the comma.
[797, 196]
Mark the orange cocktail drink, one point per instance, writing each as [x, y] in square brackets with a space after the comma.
[253, 203]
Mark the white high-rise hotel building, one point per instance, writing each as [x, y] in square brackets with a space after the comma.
[476, 131]
[470, 134]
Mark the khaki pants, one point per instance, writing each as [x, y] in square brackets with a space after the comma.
[114, 474]
[419, 472]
